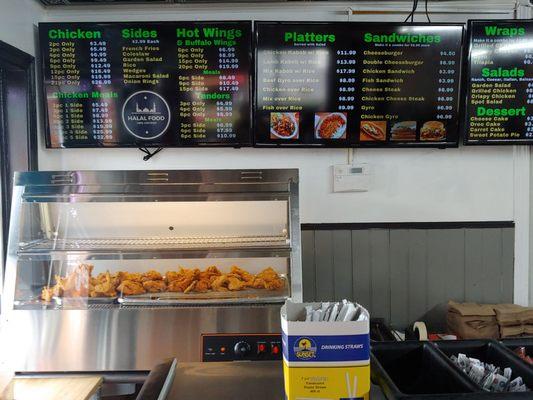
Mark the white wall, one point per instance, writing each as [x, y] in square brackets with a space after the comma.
[17, 23]
[465, 184]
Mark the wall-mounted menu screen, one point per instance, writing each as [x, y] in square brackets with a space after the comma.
[147, 84]
[357, 84]
[499, 83]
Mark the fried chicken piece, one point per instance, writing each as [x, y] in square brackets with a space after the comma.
[129, 276]
[202, 286]
[235, 284]
[258, 283]
[191, 287]
[155, 286]
[181, 280]
[76, 283]
[270, 279]
[131, 288]
[209, 273]
[151, 275]
[241, 274]
[220, 283]
[106, 286]
[47, 293]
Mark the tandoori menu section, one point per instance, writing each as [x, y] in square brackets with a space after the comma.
[147, 84]
[357, 84]
[499, 87]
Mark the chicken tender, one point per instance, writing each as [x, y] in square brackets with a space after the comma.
[242, 275]
[155, 286]
[131, 288]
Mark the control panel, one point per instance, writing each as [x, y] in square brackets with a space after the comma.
[239, 347]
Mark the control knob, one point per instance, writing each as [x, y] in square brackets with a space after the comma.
[242, 349]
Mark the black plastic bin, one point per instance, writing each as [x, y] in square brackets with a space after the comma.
[512, 344]
[416, 370]
[491, 351]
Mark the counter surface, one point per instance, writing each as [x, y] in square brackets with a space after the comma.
[257, 380]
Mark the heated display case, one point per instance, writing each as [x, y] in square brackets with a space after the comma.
[116, 270]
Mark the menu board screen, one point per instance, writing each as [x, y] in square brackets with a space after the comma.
[147, 84]
[357, 84]
[499, 101]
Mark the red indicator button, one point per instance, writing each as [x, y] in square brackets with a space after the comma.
[261, 348]
[275, 349]
[222, 349]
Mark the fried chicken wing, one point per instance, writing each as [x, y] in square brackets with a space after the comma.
[131, 288]
[155, 286]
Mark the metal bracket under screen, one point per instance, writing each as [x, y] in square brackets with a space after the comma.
[238, 347]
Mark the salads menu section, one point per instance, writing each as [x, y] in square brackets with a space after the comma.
[147, 84]
[499, 102]
[357, 84]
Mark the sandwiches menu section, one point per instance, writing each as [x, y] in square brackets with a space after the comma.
[499, 102]
[357, 84]
[147, 84]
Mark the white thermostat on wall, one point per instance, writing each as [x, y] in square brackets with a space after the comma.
[351, 177]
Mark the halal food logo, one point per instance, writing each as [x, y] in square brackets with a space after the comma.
[146, 115]
[305, 349]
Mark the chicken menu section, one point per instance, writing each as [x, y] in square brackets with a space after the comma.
[357, 84]
[147, 84]
[499, 103]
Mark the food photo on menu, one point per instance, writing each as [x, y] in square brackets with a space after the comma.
[371, 131]
[284, 125]
[403, 131]
[330, 125]
[433, 131]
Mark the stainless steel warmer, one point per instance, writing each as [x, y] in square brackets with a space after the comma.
[136, 221]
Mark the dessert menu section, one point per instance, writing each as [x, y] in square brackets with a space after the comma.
[147, 84]
[357, 84]
[499, 102]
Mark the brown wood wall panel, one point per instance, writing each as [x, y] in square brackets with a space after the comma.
[400, 274]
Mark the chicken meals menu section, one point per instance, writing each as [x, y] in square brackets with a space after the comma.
[147, 84]
[357, 84]
[499, 103]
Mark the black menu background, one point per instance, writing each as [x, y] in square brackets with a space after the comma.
[495, 53]
[440, 91]
[98, 65]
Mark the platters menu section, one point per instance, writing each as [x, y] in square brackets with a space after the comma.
[357, 84]
[499, 103]
[147, 84]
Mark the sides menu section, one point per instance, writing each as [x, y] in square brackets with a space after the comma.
[499, 102]
[147, 84]
[357, 84]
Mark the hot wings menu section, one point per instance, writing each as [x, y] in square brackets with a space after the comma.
[147, 84]
[357, 84]
[499, 103]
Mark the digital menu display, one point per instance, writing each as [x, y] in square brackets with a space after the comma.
[499, 98]
[357, 84]
[147, 84]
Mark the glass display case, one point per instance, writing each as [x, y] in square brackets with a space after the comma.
[143, 242]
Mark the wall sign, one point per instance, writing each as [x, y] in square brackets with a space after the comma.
[499, 83]
[146, 84]
[357, 84]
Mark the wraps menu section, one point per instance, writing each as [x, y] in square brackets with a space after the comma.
[146, 84]
[357, 84]
[499, 102]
